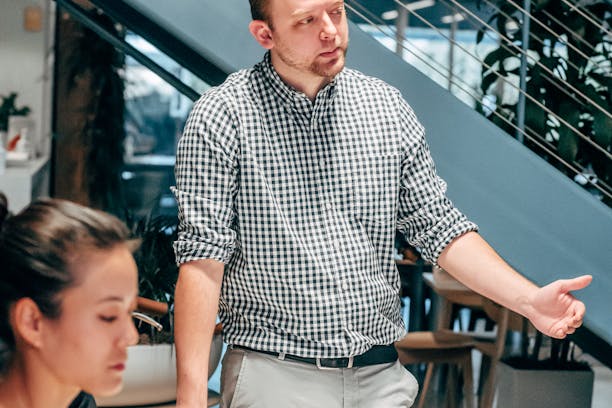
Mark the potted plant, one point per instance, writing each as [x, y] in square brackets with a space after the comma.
[545, 373]
[565, 72]
[9, 108]
[150, 376]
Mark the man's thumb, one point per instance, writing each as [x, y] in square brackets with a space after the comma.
[578, 283]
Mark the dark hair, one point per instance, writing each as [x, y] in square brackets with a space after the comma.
[38, 246]
[259, 10]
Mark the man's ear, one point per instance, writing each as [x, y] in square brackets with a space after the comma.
[27, 322]
[262, 33]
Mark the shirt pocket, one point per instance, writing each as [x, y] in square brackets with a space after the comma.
[375, 187]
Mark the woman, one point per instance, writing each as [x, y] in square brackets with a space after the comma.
[68, 286]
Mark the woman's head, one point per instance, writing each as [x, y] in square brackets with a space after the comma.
[68, 284]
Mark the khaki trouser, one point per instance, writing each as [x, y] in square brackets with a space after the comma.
[252, 379]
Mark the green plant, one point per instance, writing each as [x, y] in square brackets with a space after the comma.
[157, 269]
[569, 61]
[9, 108]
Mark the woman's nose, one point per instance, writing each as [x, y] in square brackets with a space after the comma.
[130, 334]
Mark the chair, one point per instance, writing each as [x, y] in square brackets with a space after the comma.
[435, 347]
[454, 348]
[493, 350]
[491, 345]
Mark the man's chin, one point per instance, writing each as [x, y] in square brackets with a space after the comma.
[330, 69]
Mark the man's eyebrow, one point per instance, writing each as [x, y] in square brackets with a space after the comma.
[301, 12]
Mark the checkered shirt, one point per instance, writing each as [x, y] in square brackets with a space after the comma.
[301, 200]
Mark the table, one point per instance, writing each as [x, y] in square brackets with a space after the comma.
[450, 291]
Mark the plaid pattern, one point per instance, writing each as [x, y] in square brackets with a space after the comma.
[301, 201]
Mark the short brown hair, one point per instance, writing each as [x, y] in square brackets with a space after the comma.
[259, 10]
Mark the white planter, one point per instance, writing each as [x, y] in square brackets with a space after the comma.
[521, 388]
[24, 127]
[150, 375]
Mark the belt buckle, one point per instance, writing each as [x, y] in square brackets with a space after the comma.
[322, 367]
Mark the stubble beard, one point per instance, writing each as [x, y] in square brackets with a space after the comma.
[326, 71]
[320, 69]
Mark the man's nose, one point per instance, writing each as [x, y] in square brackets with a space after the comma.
[328, 30]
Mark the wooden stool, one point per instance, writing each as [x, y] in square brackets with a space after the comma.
[435, 347]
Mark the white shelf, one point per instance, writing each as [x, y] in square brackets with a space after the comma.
[21, 183]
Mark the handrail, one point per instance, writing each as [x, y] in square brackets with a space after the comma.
[531, 98]
[533, 137]
[536, 62]
[538, 140]
[588, 18]
[550, 30]
[531, 34]
[169, 43]
[569, 30]
[128, 49]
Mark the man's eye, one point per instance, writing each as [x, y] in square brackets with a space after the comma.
[306, 20]
[108, 319]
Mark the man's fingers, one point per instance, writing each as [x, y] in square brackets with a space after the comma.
[559, 334]
[578, 283]
[579, 311]
[575, 322]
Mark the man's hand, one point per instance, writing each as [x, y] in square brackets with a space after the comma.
[554, 311]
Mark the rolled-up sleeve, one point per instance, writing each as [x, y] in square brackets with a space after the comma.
[206, 174]
[426, 216]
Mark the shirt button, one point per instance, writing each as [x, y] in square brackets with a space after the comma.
[328, 205]
[344, 285]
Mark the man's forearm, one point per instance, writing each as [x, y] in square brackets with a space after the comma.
[475, 264]
[195, 310]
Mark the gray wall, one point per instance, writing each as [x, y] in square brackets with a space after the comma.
[541, 222]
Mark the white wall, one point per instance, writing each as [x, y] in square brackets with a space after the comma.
[26, 63]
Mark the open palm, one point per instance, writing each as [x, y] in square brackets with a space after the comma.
[555, 311]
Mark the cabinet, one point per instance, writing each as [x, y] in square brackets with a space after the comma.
[24, 182]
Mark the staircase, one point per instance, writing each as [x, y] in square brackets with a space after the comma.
[539, 220]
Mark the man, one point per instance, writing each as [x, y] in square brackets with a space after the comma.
[292, 178]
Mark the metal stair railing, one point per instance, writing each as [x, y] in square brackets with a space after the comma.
[429, 61]
[569, 90]
[119, 43]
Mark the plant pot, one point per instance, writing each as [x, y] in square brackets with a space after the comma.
[150, 375]
[543, 388]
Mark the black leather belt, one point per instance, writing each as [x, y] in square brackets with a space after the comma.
[375, 355]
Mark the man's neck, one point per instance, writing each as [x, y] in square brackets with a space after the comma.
[307, 83]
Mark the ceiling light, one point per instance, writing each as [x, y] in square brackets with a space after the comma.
[389, 15]
[421, 4]
[454, 18]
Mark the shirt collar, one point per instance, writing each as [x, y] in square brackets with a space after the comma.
[288, 94]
